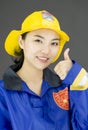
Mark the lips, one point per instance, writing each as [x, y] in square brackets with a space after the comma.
[42, 59]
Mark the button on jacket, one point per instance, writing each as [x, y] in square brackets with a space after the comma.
[62, 105]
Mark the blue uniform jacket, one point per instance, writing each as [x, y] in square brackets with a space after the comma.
[62, 105]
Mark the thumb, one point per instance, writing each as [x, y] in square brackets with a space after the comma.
[66, 54]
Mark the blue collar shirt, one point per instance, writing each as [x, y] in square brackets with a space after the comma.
[22, 109]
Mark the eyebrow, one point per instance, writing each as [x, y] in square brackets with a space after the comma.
[39, 36]
[43, 37]
[56, 39]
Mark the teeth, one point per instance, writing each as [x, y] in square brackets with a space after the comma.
[43, 58]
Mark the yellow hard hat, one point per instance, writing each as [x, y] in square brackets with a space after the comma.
[34, 21]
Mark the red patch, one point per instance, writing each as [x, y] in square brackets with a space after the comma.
[61, 98]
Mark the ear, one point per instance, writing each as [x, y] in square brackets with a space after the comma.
[21, 42]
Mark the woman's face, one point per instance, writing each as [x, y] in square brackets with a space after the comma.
[40, 48]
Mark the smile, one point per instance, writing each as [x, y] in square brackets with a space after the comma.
[42, 59]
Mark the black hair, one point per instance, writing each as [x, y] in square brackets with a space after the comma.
[19, 61]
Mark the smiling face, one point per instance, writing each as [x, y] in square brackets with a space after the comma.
[40, 48]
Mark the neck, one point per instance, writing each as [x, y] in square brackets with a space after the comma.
[32, 76]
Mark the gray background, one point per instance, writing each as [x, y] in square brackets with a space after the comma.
[73, 17]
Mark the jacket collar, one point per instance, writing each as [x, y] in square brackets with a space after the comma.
[14, 82]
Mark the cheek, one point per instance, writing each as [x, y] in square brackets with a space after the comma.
[55, 52]
[30, 50]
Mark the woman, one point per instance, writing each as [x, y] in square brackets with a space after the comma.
[32, 97]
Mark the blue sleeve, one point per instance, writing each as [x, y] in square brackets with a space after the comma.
[4, 117]
[77, 80]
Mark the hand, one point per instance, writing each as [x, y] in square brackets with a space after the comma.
[63, 67]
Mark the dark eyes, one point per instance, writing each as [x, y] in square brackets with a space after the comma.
[38, 40]
[56, 43]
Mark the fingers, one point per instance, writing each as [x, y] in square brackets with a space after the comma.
[66, 54]
[63, 67]
[62, 75]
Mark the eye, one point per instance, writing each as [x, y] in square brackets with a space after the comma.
[38, 41]
[55, 43]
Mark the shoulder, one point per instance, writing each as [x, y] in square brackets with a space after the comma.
[1, 84]
[2, 94]
[2, 88]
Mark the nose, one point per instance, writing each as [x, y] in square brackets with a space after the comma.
[45, 49]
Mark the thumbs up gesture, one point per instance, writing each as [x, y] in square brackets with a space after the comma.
[63, 67]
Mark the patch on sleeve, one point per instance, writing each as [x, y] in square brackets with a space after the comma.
[61, 98]
[81, 81]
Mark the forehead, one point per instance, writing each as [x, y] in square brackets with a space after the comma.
[44, 32]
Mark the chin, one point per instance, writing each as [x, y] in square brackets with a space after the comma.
[42, 67]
